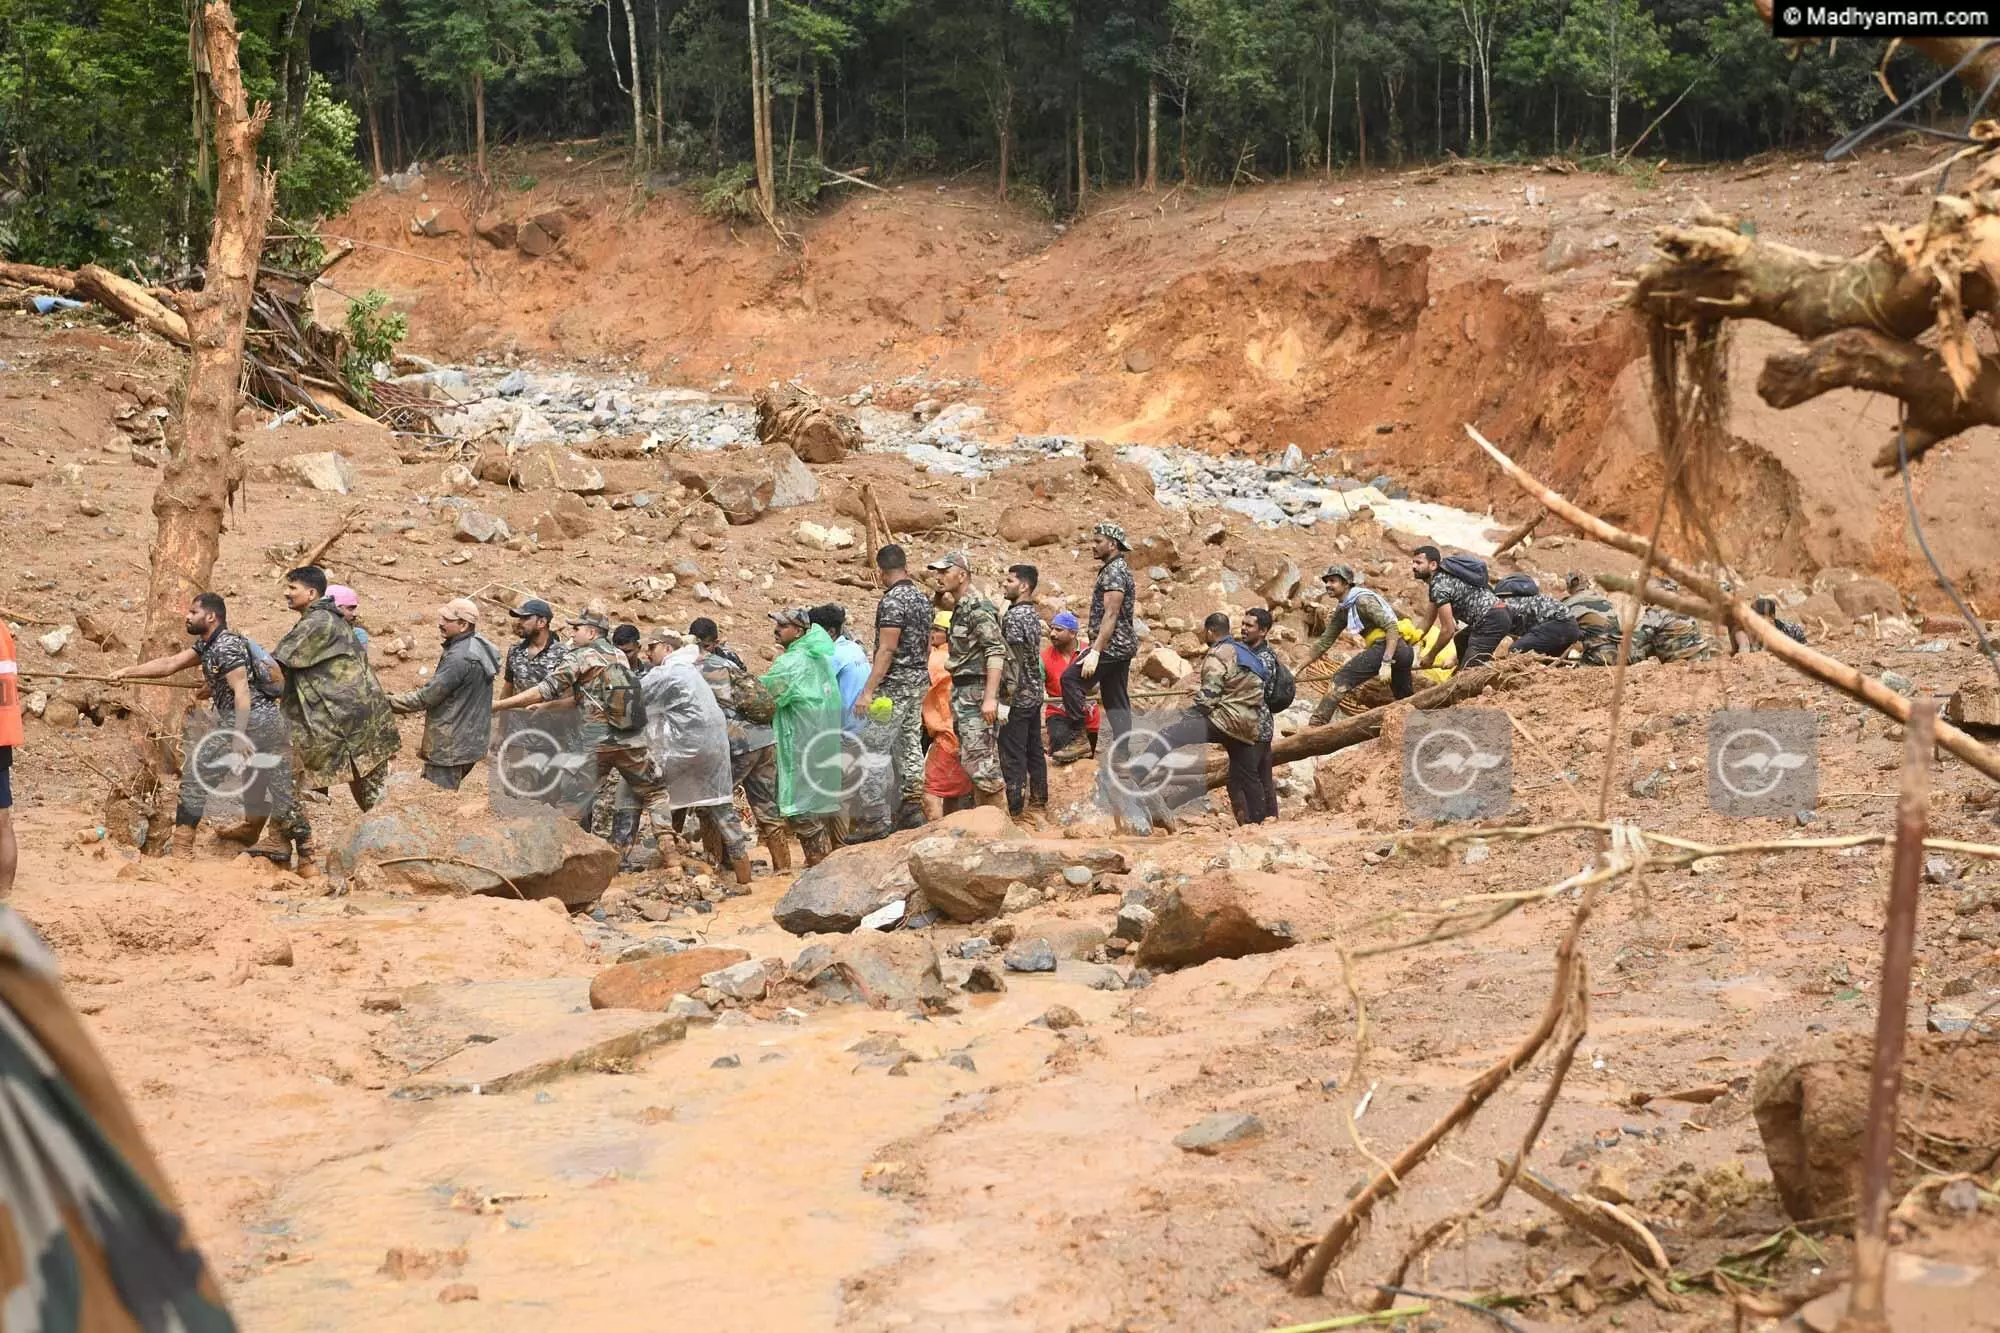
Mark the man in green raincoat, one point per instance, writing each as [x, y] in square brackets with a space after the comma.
[811, 771]
[342, 727]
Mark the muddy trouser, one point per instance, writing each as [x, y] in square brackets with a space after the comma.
[648, 789]
[1114, 720]
[1363, 667]
[756, 771]
[1268, 770]
[1246, 764]
[907, 723]
[721, 822]
[1476, 642]
[270, 792]
[978, 742]
[812, 833]
[1551, 638]
[1022, 761]
[448, 776]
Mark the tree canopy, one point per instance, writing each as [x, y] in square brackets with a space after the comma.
[102, 155]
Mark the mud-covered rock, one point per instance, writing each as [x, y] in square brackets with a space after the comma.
[966, 878]
[895, 971]
[652, 983]
[542, 467]
[539, 853]
[1032, 525]
[801, 420]
[1231, 914]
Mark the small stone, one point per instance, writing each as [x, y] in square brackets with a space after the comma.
[1020, 897]
[276, 954]
[726, 1062]
[1061, 1016]
[1097, 976]
[56, 640]
[1609, 1183]
[978, 946]
[882, 1052]
[693, 1010]
[382, 1002]
[744, 981]
[456, 1292]
[1900, 683]
[89, 508]
[984, 979]
[1139, 980]
[476, 525]
[1648, 787]
[1078, 877]
[1032, 956]
[1211, 1134]
[1133, 918]
[1940, 870]
[1961, 1196]
[962, 1060]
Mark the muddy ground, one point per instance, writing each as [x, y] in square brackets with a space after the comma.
[1039, 1188]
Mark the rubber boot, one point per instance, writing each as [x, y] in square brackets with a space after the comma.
[741, 865]
[183, 843]
[303, 864]
[816, 847]
[781, 850]
[245, 832]
[910, 814]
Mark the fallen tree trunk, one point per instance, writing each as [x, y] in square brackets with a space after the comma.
[134, 302]
[1518, 535]
[1827, 670]
[1692, 607]
[34, 275]
[1314, 741]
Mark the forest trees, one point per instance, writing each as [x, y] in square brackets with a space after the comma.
[1043, 99]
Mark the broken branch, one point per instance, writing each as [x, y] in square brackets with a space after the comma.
[1861, 359]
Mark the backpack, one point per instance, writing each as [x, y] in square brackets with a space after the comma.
[624, 703]
[263, 672]
[1281, 691]
[753, 701]
[1517, 585]
[1465, 568]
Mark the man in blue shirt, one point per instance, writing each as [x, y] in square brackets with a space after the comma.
[850, 660]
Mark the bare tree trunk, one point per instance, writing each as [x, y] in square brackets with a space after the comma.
[1360, 125]
[1003, 119]
[1082, 162]
[659, 87]
[1152, 134]
[396, 115]
[204, 468]
[639, 159]
[1138, 146]
[1332, 83]
[374, 117]
[479, 121]
[819, 117]
[760, 121]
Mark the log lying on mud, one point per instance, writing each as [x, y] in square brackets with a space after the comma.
[34, 275]
[1314, 741]
[129, 300]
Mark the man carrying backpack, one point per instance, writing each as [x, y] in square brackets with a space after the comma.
[1369, 617]
[1541, 623]
[1281, 691]
[243, 686]
[605, 690]
[1463, 608]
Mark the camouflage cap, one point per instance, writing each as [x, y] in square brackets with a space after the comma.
[952, 560]
[661, 634]
[793, 615]
[597, 620]
[1114, 532]
[1345, 573]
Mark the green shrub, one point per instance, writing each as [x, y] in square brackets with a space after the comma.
[371, 336]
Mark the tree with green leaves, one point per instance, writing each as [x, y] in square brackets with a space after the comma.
[469, 44]
[1616, 52]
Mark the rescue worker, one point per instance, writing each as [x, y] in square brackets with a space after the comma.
[900, 671]
[1372, 618]
[1464, 610]
[1022, 761]
[806, 699]
[687, 740]
[11, 739]
[753, 756]
[457, 701]
[1541, 623]
[977, 660]
[1598, 629]
[342, 729]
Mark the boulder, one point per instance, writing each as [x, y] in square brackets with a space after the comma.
[894, 971]
[745, 981]
[540, 853]
[903, 512]
[792, 482]
[1164, 666]
[1100, 459]
[1032, 525]
[1811, 1104]
[326, 471]
[1279, 582]
[1231, 914]
[497, 230]
[834, 895]
[741, 495]
[550, 467]
[1868, 597]
[531, 427]
[1157, 549]
[552, 222]
[1214, 1133]
[652, 983]
[476, 525]
[1069, 940]
[966, 878]
[443, 220]
[819, 538]
[807, 424]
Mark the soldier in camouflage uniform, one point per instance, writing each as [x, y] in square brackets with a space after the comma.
[1022, 761]
[245, 703]
[613, 731]
[91, 1227]
[977, 658]
[342, 726]
[1597, 623]
[1541, 623]
[901, 672]
[753, 746]
[1667, 636]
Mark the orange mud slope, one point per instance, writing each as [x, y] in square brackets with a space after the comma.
[1371, 314]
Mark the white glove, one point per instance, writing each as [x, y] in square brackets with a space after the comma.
[1090, 664]
[1001, 714]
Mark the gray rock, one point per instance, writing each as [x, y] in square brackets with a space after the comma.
[883, 1052]
[976, 947]
[984, 979]
[1960, 1196]
[1031, 956]
[841, 891]
[1133, 918]
[967, 878]
[1940, 870]
[657, 947]
[726, 1062]
[1211, 1134]
[1900, 683]
[476, 525]
[792, 482]
[1078, 876]
[539, 852]
[1139, 980]
[962, 1060]
[744, 981]
[693, 1010]
[1097, 976]
[893, 971]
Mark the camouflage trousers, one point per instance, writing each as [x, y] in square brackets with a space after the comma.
[630, 763]
[367, 788]
[1600, 648]
[265, 791]
[1681, 642]
[978, 740]
[907, 722]
[720, 823]
[756, 771]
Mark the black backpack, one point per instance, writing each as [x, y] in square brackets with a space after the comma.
[1517, 585]
[1465, 568]
[1282, 689]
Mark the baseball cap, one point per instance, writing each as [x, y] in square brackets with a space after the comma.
[1345, 573]
[661, 634]
[951, 558]
[594, 619]
[1064, 620]
[534, 606]
[1114, 532]
[460, 608]
[795, 615]
[342, 595]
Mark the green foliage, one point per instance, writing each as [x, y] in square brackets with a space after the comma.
[318, 172]
[371, 336]
[732, 192]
